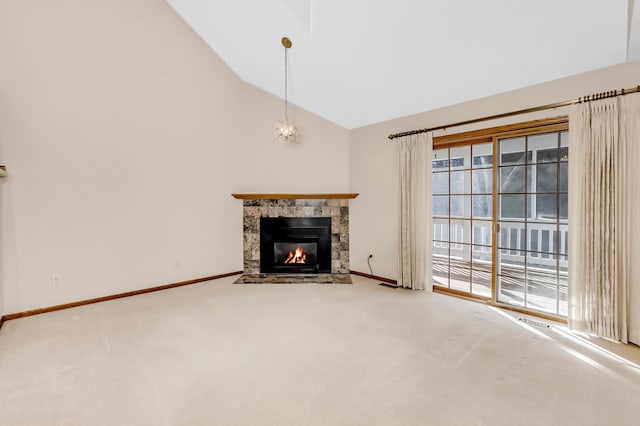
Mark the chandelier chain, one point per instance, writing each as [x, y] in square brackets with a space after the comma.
[286, 116]
[286, 131]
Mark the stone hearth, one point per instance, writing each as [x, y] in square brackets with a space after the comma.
[294, 279]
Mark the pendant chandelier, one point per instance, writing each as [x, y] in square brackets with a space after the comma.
[286, 131]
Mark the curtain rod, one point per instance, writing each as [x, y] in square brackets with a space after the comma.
[595, 97]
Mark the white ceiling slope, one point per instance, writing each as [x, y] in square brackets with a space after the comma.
[634, 30]
[358, 62]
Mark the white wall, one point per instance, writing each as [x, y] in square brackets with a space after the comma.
[124, 136]
[372, 164]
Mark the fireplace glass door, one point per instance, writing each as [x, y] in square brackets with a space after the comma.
[295, 245]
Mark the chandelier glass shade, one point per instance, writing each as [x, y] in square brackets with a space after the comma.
[285, 130]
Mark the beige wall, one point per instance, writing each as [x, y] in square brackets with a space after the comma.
[124, 135]
[372, 165]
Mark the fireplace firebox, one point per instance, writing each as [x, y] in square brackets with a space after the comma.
[295, 245]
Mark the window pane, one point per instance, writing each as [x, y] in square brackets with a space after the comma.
[482, 161]
[544, 147]
[563, 154]
[512, 265]
[461, 253]
[511, 291]
[441, 205]
[481, 281]
[511, 236]
[441, 270]
[546, 155]
[543, 237]
[460, 157]
[542, 270]
[515, 240]
[481, 232]
[512, 151]
[542, 284]
[461, 268]
[460, 279]
[534, 239]
[440, 183]
[563, 244]
[546, 177]
[482, 155]
[563, 179]
[542, 297]
[512, 179]
[482, 181]
[441, 229]
[481, 257]
[460, 182]
[564, 205]
[482, 206]
[545, 243]
[546, 207]
[512, 206]
[441, 248]
[563, 279]
[460, 206]
[460, 231]
[440, 160]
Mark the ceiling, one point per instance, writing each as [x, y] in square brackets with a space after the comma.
[357, 62]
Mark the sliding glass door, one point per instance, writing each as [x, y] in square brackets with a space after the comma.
[532, 222]
[462, 218]
[500, 224]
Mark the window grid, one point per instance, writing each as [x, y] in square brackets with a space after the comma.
[461, 254]
[555, 247]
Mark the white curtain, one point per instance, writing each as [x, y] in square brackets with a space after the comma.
[630, 194]
[415, 228]
[604, 176]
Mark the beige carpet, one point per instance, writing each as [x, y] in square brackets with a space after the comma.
[222, 354]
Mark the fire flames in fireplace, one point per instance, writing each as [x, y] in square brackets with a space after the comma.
[297, 256]
[296, 245]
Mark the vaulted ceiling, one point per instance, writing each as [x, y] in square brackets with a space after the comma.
[358, 62]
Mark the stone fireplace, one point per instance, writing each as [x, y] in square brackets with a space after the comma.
[295, 237]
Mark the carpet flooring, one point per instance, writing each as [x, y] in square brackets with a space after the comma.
[215, 353]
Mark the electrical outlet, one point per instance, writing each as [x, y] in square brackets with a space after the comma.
[55, 280]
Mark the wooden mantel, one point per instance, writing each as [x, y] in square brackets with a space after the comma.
[295, 196]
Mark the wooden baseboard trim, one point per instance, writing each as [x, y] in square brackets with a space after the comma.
[375, 277]
[111, 297]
